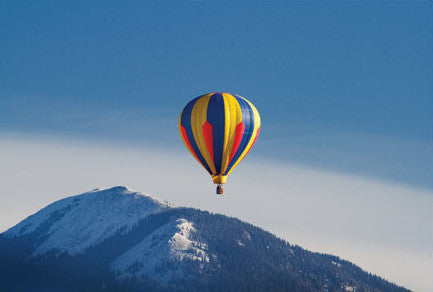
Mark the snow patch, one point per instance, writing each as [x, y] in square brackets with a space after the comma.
[172, 243]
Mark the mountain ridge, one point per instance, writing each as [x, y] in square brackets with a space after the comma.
[159, 247]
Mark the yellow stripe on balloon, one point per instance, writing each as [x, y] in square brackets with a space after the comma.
[233, 116]
[253, 136]
[198, 118]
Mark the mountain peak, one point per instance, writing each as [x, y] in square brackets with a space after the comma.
[75, 223]
[117, 189]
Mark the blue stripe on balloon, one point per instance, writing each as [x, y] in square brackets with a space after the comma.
[216, 117]
[248, 120]
[185, 121]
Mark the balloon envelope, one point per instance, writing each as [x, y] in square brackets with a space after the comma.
[219, 129]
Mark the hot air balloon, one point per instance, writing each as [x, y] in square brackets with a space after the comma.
[219, 130]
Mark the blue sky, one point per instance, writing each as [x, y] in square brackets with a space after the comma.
[339, 85]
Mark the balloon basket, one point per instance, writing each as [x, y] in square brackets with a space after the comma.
[219, 189]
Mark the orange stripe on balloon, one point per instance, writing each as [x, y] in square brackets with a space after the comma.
[208, 137]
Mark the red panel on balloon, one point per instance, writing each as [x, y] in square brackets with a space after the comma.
[240, 129]
[208, 137]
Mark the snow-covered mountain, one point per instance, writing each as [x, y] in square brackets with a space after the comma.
[121, 240]
[79, 222]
